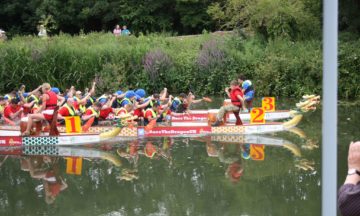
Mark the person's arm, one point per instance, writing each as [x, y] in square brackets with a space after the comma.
[353, 162]
[87, 117]
[61, 100]
[109, 103]
[36, 90]
[242, 101]
[163, 95]
[29, 105]
[141, 106]
[227, 91]
[16, 114]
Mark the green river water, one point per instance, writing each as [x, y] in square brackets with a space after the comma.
[188, 176]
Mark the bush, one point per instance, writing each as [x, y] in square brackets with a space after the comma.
[204, 64]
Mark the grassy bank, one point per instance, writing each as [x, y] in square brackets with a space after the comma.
[204, 64]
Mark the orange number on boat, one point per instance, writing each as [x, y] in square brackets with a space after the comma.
[257, 116]
[257, 152]
[268, 103]
[73, 124]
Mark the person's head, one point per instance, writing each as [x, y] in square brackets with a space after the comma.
[156, 107]
[241, 79]
[156, 96]
[14, 102]
[234, 84]
[182, 96]
[97, 106]
[130, 95]
[141, 92]
[124, 27]
[37, 93]
[117, 26]
[55, 90]
[129, 107]
[70, 102]
[46, 87]
[78, 94]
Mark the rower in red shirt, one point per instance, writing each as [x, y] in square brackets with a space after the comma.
[13, 111]
[49, 103]
[153, 113]
[237, 102]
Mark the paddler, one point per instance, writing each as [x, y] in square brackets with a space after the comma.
[237, 102]
[106, 107]
[128, 108]
[13, 111]
[247, 89]
[49, 103]
[68, 109]
[179, 104]
[130, 97]
[152, 113]
[93, 111]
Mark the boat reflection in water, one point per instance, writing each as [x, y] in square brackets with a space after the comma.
[126, 160]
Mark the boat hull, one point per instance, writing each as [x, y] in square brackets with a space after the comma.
[203, 115]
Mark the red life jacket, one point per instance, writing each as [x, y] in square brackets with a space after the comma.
[233, 96]
[51, 103]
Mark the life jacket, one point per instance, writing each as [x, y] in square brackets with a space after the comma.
[234, 99]
[121, 109]
[51, 103]
[152, 112]
[82, 108]
[174, 105]
[70, 109]
[34, 98]
[125, 99]
[93, 111]
[151, 104]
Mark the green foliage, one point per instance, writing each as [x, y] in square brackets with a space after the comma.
[270, 18]
[204, 64]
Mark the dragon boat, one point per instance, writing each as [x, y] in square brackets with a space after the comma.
[95, 134]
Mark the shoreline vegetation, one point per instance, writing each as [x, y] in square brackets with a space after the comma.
[202, 63]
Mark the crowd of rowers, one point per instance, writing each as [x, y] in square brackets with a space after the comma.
[40, 104]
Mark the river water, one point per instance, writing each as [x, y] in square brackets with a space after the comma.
[185, 176]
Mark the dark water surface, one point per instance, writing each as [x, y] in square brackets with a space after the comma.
[194, 176]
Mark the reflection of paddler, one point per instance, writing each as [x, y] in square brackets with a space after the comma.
[234, 172]
[211, 150]
[150, 150]
[229, 153]
[53, 185]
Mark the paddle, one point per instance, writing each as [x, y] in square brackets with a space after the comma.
[53, 125]
[151, 125]
[88, 124]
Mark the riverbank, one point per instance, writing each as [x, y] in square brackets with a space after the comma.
[204, 64]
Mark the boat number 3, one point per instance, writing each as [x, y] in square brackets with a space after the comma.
[257, 116]
[268, 103]
[73, 124]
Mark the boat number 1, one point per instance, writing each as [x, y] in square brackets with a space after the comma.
[268, 103]
[73, 124]
[257, 116]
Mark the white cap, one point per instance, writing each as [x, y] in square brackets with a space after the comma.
[2, 31]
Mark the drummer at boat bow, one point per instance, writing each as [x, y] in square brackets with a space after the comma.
[49, 103]
[237, 102]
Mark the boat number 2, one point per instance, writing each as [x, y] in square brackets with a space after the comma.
[257, 116]
[268, 103]
[73, 124]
